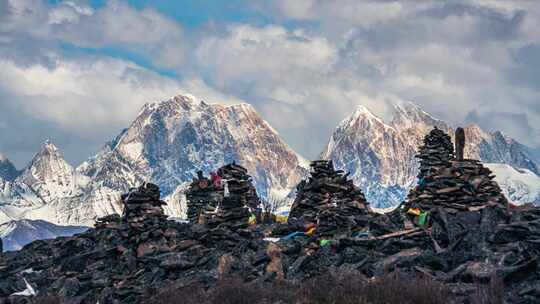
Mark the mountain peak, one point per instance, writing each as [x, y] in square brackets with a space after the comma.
[47, 162]
[408, 115]
[48, 146]
[361, 112]
[474, 131]
[408, 106]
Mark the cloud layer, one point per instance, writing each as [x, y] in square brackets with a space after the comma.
[79, 74]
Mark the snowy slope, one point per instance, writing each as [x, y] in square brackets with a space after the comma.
[380, 154]
[519, 185]
[16, 234]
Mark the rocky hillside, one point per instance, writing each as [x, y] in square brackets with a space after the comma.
[470, 243]
[381, 154]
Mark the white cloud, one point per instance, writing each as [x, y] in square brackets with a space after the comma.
[85, 95]
[270, 55]
[304, 75]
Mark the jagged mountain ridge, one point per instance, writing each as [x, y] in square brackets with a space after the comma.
[381, 155]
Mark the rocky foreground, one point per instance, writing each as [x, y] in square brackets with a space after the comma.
[455, 228]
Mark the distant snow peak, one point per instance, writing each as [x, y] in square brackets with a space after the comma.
[381, 155]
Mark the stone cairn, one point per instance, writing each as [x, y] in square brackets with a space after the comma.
[329, 200]
[143, 208]
[142, 221]
[436, 153]
[228, 198]
[203, 196]
[456, 196]
[466, 186]
[233, 211]
[241, 185]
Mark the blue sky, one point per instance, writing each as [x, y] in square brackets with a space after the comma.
[78, 71]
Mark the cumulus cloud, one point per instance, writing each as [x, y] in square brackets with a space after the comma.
[81, 102]
[265, 58]
[452, 58]
[115, 25]
[305, 67]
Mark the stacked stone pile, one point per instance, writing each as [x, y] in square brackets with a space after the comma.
[465, 186]
[233, 212]
[329, 200]
[143, 208]
[458, 198]
[436, 153]
[241, 185]
[228, 196]
[203, 197]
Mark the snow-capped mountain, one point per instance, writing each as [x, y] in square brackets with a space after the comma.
[380, 154]
[518, 185]
[50, 189]
[496, 147]
[51, 177]
[16, 234]
[170, 141]
[8, 171]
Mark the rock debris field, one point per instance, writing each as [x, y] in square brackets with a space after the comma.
[455, 228]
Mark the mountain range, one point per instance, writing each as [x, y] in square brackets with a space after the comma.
[169, 141]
